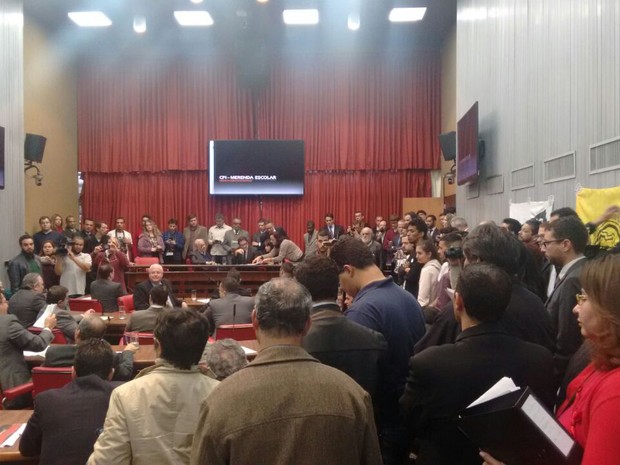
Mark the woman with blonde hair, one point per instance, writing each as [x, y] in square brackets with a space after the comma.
[150, 242]
[592, 407]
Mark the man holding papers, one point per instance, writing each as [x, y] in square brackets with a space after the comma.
[444, 380]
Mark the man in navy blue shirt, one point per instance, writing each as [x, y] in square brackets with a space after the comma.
[381, 305]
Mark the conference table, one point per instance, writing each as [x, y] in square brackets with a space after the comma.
[11, 454]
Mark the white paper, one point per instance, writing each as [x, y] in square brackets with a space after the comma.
[28, 353]
[12, 439]
[249, 351]
[547, 424]
[502, 387]
[203, 301]
[40, 323]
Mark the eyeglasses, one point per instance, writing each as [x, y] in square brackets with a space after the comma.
[546, 243]
[581, 298]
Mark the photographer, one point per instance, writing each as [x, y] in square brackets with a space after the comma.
[72, 265]
[112, 255]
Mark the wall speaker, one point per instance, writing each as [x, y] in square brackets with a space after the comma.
[34, 146]
[447, 142]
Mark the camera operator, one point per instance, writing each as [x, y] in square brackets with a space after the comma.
[72, 265]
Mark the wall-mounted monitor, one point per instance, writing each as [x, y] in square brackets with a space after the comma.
[256, 167]
[467, 147]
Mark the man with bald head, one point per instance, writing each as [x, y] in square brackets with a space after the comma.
[375, 248]
[143, 290]
[91, 327]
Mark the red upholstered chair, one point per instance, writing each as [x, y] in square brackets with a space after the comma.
[146, 261]
[242, 332]
[127, 302]
[59, 337]
[146, 339]
[44, 378]
[83, 305]
[12, 393]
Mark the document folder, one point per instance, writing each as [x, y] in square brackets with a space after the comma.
[517, 429]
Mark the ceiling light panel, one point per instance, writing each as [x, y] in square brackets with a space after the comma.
[301, 17]
[405, 15]
[193, 18]
[89, 18]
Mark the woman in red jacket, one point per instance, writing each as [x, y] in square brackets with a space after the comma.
[592, 407]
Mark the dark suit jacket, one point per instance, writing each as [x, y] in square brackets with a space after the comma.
[350, 347]
[26, 305]
[564, 325]
[144, 320]
[338, 231]
[143, 291]
[250, 255]
[525, 318]
[14, 339]
[220, 311]
[66, 421]
[63, 355]
[444, 380]
[106, 292]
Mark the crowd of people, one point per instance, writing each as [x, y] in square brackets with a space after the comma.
[410, 322]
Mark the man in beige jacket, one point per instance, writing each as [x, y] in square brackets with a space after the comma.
[151, 420]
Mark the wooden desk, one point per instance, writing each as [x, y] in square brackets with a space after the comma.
[11, 454]
[195, 303]
[203, 278]
[144, 357]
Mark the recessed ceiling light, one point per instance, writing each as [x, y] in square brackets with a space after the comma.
[353, 21]
[299, 17]
[89, 18]
[401, 15]
[139, 24]
[193, 18]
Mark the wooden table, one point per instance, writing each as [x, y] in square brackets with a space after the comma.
[144, 357]
[195, 303]
[11, 454]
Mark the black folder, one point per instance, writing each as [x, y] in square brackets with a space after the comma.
[517, 429]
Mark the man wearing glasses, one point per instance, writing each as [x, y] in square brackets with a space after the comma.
[564, 242]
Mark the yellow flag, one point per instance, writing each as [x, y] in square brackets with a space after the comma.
[591, 204]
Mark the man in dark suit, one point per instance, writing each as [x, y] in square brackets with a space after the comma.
[230, 308]
[334, 230]
[66, 421]
[333, 339]
[564, 241]
[444, 380]
[26, 303]
[143, 290]
[105, 290]
[91, 327]
[14, 339]
[244, 254]
[145, 320]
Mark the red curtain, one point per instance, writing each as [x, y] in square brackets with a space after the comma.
[370, 124]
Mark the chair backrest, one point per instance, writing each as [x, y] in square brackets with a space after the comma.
[242, 332]
[82, 305]
[147, 339]
[44, 378]
[127, 302]
[146, 260]
[59, 337]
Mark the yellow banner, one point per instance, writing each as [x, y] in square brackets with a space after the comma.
[591, 204]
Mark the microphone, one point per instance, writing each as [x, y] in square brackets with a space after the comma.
[234, 314]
